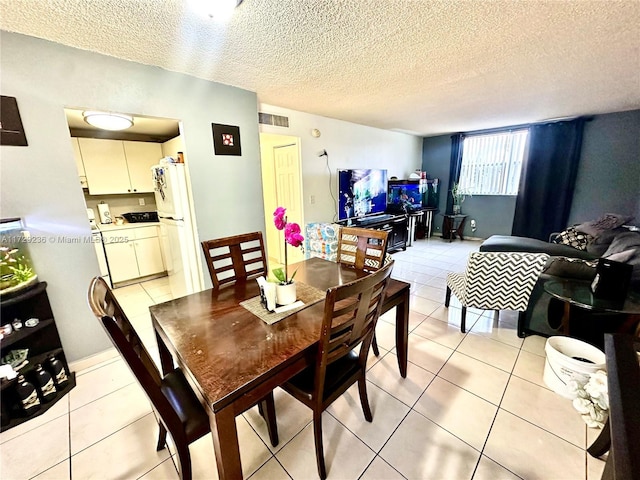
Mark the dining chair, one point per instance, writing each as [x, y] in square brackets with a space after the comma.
[365, 249]
[234, 258]
[362, 248]
[496, 281]
[178, 409]
[350, 315]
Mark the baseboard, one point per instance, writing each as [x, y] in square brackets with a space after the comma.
[93, 360]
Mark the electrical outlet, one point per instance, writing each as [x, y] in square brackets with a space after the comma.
[141, 201]
[312, 199]
[473, 224]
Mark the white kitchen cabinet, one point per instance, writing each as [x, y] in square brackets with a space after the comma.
[116, 166]
[141, 156]
[123, 264]
[105, 166]
[133, 252]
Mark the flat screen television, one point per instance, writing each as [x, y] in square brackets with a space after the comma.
[405, 194]
[361, 192]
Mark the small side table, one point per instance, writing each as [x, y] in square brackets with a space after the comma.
[453, 225]
[578, 293]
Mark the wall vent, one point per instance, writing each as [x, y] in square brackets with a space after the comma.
[271, 119]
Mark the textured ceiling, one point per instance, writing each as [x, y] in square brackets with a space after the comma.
[425, 67]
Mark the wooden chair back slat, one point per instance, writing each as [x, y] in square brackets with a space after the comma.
[106, 308]
[362, 248]
[239, 257]
[350, 314]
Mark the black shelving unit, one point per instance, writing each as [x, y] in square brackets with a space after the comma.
[42, 340]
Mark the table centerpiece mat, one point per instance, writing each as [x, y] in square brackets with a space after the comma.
[305, 293]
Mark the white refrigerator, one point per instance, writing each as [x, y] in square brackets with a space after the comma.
[176, 229]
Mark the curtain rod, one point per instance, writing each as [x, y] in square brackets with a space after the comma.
[521, 126]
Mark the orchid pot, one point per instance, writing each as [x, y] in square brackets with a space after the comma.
[286, 294]
[285, 288]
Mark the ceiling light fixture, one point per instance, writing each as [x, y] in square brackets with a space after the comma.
[108, 120]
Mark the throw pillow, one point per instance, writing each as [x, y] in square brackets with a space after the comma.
[571, 268]
[608, 221]
[573, 238]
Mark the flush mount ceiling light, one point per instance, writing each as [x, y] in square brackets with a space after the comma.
[108, 120]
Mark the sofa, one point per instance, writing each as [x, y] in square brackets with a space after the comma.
[574, 255]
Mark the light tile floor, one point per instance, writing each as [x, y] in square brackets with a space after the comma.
[472, 406]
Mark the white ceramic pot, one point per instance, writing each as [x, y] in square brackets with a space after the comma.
[286, 294]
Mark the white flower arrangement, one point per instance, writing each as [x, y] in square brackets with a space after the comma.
[591, 399]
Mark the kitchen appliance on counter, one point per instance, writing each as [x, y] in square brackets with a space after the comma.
[92, 219]
[141, 217]
[104, 212]
[176, 229]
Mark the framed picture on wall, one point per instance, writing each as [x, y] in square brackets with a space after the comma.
[226, 139]
[11, 129]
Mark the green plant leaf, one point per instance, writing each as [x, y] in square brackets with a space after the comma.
[279, 274]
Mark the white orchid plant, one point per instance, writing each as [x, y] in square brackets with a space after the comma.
[591, 398]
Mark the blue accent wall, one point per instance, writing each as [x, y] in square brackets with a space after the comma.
[608, 177]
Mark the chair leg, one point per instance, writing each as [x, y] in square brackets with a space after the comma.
[184, 461]
[162, 437]
[317, 434]
[521, 318]
[267, 409]
[374, 345]
[447, 297]
[463, 327]
[364, 399]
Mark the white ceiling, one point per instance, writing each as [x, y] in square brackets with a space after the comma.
[425, 67]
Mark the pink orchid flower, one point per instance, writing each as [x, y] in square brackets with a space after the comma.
[279, 218]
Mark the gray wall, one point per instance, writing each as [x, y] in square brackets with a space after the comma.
[608, 176]
[39, 182]
[609, 173]
[493, 214]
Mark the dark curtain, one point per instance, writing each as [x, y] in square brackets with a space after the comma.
[548, 179]
[454, 167]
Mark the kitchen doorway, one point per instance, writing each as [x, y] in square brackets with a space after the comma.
[104, 160]
[281, 187]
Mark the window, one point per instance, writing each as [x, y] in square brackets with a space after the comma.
[491, 164]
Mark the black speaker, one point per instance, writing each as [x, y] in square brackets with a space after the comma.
[612, 280]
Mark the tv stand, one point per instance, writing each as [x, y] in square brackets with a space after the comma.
[395, 225]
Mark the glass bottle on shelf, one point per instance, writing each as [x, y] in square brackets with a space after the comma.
[56, 368]
[45, 382]
[28, 395]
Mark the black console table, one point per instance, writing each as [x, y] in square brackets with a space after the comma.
[395, 225]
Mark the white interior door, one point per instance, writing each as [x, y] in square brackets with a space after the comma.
[281, 186]
[287, 176]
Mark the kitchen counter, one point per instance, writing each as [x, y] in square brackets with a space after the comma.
[110, 227]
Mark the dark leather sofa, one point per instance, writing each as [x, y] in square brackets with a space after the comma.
[544, 313]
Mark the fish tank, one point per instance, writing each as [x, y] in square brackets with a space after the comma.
[16, 269]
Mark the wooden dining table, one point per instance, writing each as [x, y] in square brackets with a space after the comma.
[232, 358]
